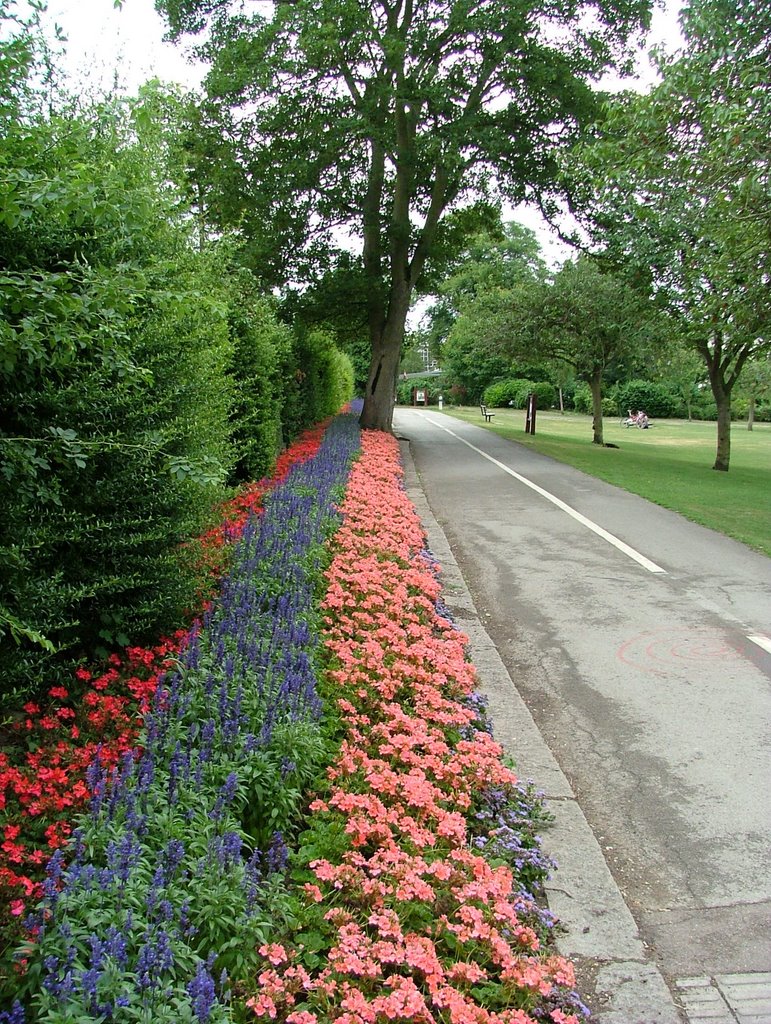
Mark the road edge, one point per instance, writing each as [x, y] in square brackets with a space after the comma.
[618, 980]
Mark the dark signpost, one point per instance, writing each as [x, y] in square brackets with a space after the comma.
[530, 417]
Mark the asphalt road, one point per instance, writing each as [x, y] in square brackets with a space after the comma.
[644, 655]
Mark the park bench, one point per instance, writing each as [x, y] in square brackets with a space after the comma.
[486, 413]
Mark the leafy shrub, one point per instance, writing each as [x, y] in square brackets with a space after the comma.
[656, 399]
[582, 401]
[114, 432]
[704, 407]
[511, 392]
[342, 376]
[317, 381]
[259, 341]
[433, 387]
[545, 393]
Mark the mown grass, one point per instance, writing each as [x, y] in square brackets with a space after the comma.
[669, 464]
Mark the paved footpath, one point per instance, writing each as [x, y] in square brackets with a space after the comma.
[626, 655]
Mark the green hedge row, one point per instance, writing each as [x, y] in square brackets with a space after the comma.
[141, 380]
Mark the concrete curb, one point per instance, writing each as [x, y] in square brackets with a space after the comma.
[616, 978]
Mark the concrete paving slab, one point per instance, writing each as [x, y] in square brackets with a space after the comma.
[702, 1001]
[635, 994]
[672, 931]
[583, 894]
[748, 995]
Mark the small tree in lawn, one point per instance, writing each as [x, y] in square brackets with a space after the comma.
[386, 118]
[756, 384]
[680, 367]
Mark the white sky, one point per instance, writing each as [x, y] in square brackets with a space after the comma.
[106, 45]
[104, 41]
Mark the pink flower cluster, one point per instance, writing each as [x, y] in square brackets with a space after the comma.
[420, 927]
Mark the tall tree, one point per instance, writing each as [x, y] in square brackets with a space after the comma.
[386, 117]
[678, 188]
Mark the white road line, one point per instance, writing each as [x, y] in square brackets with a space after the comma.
[761, 641]
[609, 537]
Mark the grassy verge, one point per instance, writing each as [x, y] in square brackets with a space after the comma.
[669, 464]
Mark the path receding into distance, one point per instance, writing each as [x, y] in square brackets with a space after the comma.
[641, 645]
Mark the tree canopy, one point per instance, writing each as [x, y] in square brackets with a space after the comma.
[383, 118]
[590, 320]
[676, 189]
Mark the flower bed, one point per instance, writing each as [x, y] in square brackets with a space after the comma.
[415, 901]
[43, 775]
[171, 877]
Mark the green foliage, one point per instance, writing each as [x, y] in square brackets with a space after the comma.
[331, 114]
[515, 393]
[433, 387]
[545, 393]
[583, 402]
[589, 320]
[324, 379]
[336, 303]
[655, 399]
[511, 392]
[342, 380]
[676, 189]
[469, 361]
[114, 424]
[260, 346]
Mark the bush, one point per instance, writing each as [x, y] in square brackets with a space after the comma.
[582, 401]
[656, 399]
[324, 377]
[704, 407]
[258, 344]
[92, 543]
[512, 392]
[545, 394]
[433, 387]
[114, 432]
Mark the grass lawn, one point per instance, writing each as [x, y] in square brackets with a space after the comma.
[669, 464]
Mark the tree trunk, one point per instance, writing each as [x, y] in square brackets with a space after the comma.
[595, 383]
[378, 410]
[723, 454]
[721, 392]
[751, 413]
[562, 403]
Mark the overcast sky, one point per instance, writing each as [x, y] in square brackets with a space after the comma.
[104, 41]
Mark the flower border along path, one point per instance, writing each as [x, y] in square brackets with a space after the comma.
[416, 908]
[44, 785]
[157, 909]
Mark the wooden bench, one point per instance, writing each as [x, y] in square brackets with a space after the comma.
[486, 413]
